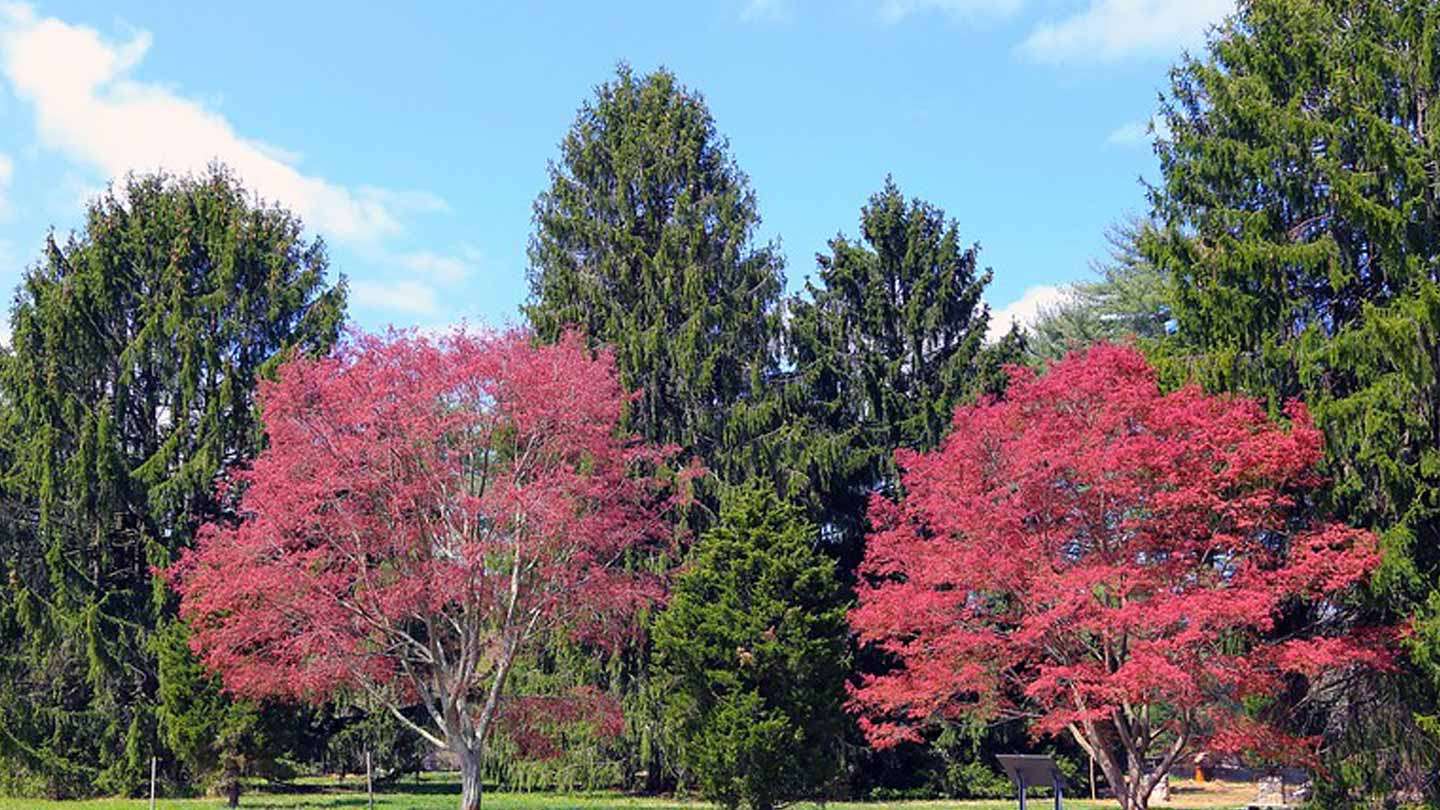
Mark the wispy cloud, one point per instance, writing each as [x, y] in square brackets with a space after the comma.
[398, 295]
[7, 173]
[436, 266]
[894, 11]
[1025, 310]
[89, 107]
[1110, 30]
[766, 11]
[1136, 133]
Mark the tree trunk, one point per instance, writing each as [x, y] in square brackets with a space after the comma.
[470, 785]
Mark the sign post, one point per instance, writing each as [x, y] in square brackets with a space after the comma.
[1027, 770]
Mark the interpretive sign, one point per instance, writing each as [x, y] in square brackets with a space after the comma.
[1031, 770]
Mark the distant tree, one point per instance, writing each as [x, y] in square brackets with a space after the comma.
[422, 515]
[1128, 297]
[644, 240]
[362, 730]
[1133, 569]
[881, 351]
[137, 344]
[1301, 226]
[753, 654]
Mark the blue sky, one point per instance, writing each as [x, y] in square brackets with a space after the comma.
[415, 137]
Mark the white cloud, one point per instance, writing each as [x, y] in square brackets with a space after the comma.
[893, 11]
[1025, 310]
[9, 264]
[436, 266]
[7, 172]
[1109, 30]
[1131, 134]
[89, 107]
[413, 297]
[1136, 133]
[766, 11]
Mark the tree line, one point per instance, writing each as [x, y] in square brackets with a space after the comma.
[1287, 256]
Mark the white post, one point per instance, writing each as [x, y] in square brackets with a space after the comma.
[369, 783]
[152, 783]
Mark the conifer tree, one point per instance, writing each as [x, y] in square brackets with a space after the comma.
[1127, 297]
[881, 351]
[879, 354]
[1302, 234]
[753, 656]
[645, 239]
[137, 346]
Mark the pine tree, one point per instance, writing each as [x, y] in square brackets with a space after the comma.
[753, 654]
[1128, 297]
[137, 346]
[1302, 230]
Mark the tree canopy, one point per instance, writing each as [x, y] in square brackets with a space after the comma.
[1128, 297]
[1113, 563]
[1300, 231]
[423, 513]
[137, 345]
[644, 240]
[881, 351]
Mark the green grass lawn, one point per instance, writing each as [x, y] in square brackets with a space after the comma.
[439, 792]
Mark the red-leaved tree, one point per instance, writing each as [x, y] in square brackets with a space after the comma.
[1138, 570]
[423, 511]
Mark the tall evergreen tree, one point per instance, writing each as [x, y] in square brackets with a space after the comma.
[1302, 239]
[881, 352]
[878, 355]
[645, 239]
[137, 346]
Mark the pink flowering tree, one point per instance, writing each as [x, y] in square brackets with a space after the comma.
[1134, 569]
[424, 511]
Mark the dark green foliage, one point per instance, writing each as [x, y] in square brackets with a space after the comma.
[137, 346]
[644, 239]
[216, 742]
[881, 352]
[1128, 298]
[1301, 235]
[753, 653]
[359, 729]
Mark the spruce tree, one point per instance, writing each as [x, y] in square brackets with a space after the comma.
[1302, 240]
[645, 239]
[880, 352]
[137, 346]
[753, 653]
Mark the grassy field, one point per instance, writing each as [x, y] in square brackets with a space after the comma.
[441, 793]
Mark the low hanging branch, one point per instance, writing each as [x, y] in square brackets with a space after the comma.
[424, 512]
[1137, 570]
